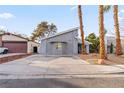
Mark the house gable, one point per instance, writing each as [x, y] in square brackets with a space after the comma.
[11, 37]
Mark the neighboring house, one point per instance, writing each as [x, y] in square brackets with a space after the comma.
[63, 43]
[18, 44]
[110, 39]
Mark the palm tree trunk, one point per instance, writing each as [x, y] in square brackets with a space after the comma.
[0, 40]
[101, 32]
[116, 24]
[81, 28]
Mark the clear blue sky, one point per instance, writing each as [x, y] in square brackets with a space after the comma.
[24, 19]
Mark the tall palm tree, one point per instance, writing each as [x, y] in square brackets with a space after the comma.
[117, 32]
[116, 24]
[107, 8]
[102, 10]
[0, 40]
[1, 33]
[101, 32]
[81, 28]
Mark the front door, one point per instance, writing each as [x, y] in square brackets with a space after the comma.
[35, 49]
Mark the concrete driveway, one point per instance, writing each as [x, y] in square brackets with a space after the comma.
[37, 66]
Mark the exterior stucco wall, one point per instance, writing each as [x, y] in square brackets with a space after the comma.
[68, 38]
[122, 44]
[75, 42]
[113, 41]
[31, 45]
[42, 47]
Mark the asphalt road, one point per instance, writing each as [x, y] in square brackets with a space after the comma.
[63, 83]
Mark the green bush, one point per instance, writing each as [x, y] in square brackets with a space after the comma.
[111, 48]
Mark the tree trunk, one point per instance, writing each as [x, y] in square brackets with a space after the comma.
[0, 40]
[101, 32]
[81, 28]
[116, 24]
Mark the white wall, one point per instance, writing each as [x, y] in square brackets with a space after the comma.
[31, 45]
[112, 40]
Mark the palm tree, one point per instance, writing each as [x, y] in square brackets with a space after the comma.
[101, 32]
[107, 8]
[117, 32]
[0, 40]
[116, 24]
[81, 28]
[1, 33]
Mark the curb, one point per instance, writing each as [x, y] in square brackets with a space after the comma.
[12, 58]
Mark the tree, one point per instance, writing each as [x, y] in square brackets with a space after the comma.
[81, 28]
[101, 32]
[94, 40]
[2, 32]
[116, 25]
[117, 32]
[43, 30]
[111, 48]
[102, 10]
[107, 8]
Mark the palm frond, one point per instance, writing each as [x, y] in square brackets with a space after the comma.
[107, 8]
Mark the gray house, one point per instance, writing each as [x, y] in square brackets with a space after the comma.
[63, 43]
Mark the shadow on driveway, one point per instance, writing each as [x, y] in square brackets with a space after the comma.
[63, 83]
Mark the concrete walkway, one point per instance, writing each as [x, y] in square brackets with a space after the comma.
[37, 66]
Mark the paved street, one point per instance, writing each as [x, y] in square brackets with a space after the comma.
[39, 71]
[63, 83]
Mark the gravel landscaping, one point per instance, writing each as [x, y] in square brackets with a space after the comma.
[112, 59]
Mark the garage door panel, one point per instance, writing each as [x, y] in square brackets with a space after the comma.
[16, 47]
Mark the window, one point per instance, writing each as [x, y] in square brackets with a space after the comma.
[58, 45]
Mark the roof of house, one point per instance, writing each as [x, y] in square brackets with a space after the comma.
[8, 33]
[63, 32]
